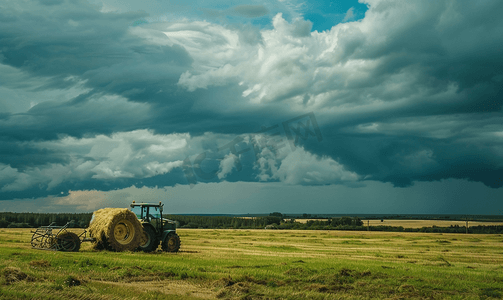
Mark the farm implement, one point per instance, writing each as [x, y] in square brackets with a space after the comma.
[141, 228]
[58, 238]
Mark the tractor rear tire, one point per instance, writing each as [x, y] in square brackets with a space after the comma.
[149, 241]
[171, 243]
[68, 242]
[125, 233]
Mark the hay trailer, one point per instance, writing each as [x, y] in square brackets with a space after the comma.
[116, 229]
[58, 238]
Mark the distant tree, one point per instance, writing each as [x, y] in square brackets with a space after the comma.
[346, 221]
[18, 225]
[4, 223]
[272, 226]
[191, 225]
[276, 214]
[270, 220]
[357, 221]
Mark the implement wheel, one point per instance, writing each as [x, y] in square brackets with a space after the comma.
[149, 241]
[171, 243]
[68, 241]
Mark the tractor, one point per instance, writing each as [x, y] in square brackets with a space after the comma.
[155, 228]
[116, 229]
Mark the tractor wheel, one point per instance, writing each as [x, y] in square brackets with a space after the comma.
[149, 241]
[68, 241]
[171, 243]
[124, 233]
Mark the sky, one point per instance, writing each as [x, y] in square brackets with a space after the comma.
[370, 106]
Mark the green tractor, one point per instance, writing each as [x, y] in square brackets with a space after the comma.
[155, 228]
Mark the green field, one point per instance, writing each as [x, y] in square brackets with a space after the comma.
[262, 264]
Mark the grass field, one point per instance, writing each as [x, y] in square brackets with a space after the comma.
[262, 264]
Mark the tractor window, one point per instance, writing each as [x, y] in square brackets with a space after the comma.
[137, 211]
[155, 213]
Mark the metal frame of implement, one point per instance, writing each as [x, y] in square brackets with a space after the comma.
[58, 238]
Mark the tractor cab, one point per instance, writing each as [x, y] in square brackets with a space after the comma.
[148, 213]
[155, 228]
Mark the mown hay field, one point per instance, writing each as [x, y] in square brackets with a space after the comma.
[262, 264]
[429, 223]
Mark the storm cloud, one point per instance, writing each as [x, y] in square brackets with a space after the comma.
[98, 97]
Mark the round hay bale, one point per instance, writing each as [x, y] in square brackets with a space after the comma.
[119, 228]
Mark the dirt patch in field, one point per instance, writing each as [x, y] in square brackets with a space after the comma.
[40, 263]
[296, 272]
[12, 275]
[235, 290]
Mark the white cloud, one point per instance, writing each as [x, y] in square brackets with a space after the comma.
[349, 14]
[139, 153]
[133, 154]
[226, 165]
[6, 172]
[49, 175]
[385, 61]
[290, 64]
[301, 167]
[269, 69]
[157, 168]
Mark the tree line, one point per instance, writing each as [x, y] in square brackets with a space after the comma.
[32, 220]
[273, 221]
[81, 220]
[224, 222]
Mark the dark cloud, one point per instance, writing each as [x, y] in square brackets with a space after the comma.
[99, 114]
[75, 40]
[51, 2]
[412, 92]
[19, 155]
[405, 150]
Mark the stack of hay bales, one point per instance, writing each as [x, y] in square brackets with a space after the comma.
[116, 229]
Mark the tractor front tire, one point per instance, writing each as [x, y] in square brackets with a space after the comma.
[171, 243]
[149, 241]
[68, 241]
